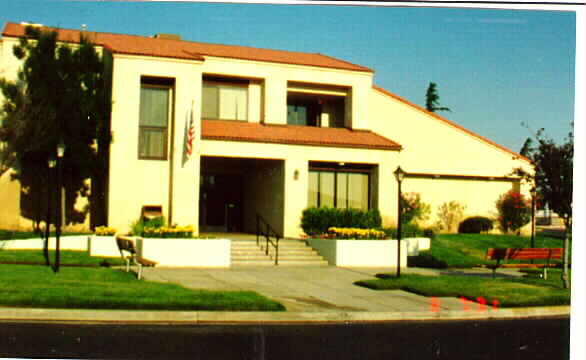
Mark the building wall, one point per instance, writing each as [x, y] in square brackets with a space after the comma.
[296, 159]
[134, 182]
[275, 77]
[432, 146]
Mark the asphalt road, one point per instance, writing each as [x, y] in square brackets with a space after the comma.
[534, 339]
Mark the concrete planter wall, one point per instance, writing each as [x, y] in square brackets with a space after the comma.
[186, 252]
[75, 242]
[360, 253]
[103, 246]
[415, 245]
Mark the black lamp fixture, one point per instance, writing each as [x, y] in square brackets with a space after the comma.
[399, 176]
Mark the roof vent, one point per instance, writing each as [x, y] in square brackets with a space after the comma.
[167, 36]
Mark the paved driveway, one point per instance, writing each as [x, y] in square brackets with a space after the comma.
[307, 289]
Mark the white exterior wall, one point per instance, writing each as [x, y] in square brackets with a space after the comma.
[135, 182]
[431, 146]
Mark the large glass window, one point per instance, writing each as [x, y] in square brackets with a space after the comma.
[224, 101]
[338, 189]
[155, 107]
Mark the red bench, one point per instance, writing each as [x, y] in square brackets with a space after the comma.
[504, 254]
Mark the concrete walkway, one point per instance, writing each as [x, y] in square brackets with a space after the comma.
[315, 289]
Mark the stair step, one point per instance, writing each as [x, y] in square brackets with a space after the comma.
[291, 253]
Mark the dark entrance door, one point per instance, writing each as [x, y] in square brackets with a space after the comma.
[220, 203]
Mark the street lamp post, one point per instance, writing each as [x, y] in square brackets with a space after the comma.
[399, 175]
[51, 164]
[61, 218]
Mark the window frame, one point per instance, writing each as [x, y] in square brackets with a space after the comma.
[336, 171]
[156, 83]
[229, 83]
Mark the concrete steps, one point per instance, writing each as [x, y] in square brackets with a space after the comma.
[291, 253]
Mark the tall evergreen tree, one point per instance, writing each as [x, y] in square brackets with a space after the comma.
[61, 94]
[432, 99]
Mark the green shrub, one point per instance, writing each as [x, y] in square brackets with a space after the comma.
[316, 221]
[475, 225]
[137, 228]
[409, 231]
[429, 233]
[514, 211]
[426, 260]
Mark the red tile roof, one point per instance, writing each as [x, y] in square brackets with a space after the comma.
[148, 46]
[294, 135]
[450, 123]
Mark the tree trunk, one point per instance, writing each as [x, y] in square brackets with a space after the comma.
[567, 235]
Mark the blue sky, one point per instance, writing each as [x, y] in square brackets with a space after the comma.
[495, 69]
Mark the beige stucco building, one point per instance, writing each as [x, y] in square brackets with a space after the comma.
[273, 133]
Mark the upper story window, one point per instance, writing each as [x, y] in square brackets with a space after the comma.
[314, 105]
[225, 99]
[156, 98]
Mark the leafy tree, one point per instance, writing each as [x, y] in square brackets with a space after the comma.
[413, 209]
[553, 178]
[514, 211]
[61, 94]
[432, 99]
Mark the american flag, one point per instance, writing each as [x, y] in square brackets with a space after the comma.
[190, 133]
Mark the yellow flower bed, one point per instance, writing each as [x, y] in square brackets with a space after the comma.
[355, 233]
[105, 231]
[169, 232]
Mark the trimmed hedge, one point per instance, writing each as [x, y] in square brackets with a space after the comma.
[475, 225]
[317, 221]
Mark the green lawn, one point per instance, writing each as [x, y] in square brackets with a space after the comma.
[84, 283]
[67, 257]
[104, 288]
[509, 292]
[468, 250]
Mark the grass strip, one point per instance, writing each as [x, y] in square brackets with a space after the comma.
[509, 292]
[103, 288]
[468, 250]
[67, 258]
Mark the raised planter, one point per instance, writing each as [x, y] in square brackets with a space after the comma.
[360, 253]
[72, 242]
[415, 245]
[186, 252]
[103, 246]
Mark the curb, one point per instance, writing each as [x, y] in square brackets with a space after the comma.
[253, 317]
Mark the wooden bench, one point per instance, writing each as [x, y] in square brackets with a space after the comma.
[503, 254]
[129, 254]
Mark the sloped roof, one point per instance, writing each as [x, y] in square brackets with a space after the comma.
[450, 123]
[294, 135]
[180, 49]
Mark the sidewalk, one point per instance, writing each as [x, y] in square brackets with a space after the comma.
[319, 294]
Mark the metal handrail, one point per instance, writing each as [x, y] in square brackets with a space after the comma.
[260, 224]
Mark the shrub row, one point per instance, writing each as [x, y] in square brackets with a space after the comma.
[316, 221]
